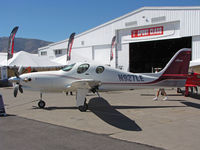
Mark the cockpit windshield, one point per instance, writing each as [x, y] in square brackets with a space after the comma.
[68, 67]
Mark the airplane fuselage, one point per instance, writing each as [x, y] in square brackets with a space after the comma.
[111, 79]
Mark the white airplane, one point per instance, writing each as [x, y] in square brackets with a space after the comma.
[86, 77]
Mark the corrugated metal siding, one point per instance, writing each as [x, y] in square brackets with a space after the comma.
[195, 47]
[104, 34]
[190, 22]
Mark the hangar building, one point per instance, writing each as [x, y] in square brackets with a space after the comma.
[145, 38]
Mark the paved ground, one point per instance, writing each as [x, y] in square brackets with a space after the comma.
[17, 133]
[130, 116]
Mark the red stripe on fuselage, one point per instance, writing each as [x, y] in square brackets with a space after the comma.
[175, 75]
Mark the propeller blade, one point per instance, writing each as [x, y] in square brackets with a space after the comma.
[20, 70]
[20, 88]
[16, 71]
[16, 90]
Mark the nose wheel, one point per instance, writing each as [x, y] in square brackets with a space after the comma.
[41, 103]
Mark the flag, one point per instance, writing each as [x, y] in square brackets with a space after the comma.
[11, 42]
[69, 47]
[112, 47]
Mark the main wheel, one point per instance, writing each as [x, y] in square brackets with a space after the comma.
[41, 104]
[179, 90]
[83, 108]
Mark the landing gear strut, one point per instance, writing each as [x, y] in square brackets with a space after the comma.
[41, 103]
[83, 108]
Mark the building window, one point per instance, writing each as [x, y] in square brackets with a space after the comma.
[44, 53]
[58, 52]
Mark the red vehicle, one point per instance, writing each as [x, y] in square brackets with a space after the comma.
[193, 81]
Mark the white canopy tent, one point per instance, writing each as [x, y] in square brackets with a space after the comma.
[26, 59]
[3, 57]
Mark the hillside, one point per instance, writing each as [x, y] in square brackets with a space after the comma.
[28, 45]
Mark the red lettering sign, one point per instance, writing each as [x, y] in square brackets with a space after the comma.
[147, 32]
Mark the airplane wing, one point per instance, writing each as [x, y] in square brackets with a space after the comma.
[82, 87]
[83, 84]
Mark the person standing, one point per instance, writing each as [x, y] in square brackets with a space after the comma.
[161, 90]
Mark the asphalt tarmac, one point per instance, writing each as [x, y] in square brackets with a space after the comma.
[17, 133]
[120, 120]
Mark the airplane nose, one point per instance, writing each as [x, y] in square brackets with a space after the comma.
[14, 79]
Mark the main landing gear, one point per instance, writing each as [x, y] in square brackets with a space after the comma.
[83, 108]
[41, 103]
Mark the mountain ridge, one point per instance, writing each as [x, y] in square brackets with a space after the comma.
[23, 44]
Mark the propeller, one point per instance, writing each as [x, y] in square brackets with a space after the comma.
[16, 88]
[17, 79]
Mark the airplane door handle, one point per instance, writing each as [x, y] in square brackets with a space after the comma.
[87, 74]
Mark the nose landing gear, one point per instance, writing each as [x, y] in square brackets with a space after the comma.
[41, 103]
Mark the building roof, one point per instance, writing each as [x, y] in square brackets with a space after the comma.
[123, 17]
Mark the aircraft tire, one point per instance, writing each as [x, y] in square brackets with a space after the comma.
[83, 108]
[41, 104]
[179, 90]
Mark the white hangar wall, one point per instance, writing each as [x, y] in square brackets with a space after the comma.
[94, 44]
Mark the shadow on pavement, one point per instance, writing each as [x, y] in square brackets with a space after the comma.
[110, 115]
[167, 94]
[190, 104]
[194, 95]
[54, 108]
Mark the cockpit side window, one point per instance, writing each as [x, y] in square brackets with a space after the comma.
[68, 67]
[99, 69]
[83, 68]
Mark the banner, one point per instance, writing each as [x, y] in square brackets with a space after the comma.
[112, 47]
[11, 42]
[69, 47]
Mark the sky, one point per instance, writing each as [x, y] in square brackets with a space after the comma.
[55, 20]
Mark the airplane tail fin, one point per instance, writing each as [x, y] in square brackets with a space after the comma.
[176, 70]
[179, 64]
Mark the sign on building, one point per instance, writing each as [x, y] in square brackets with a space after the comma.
[147, 32]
